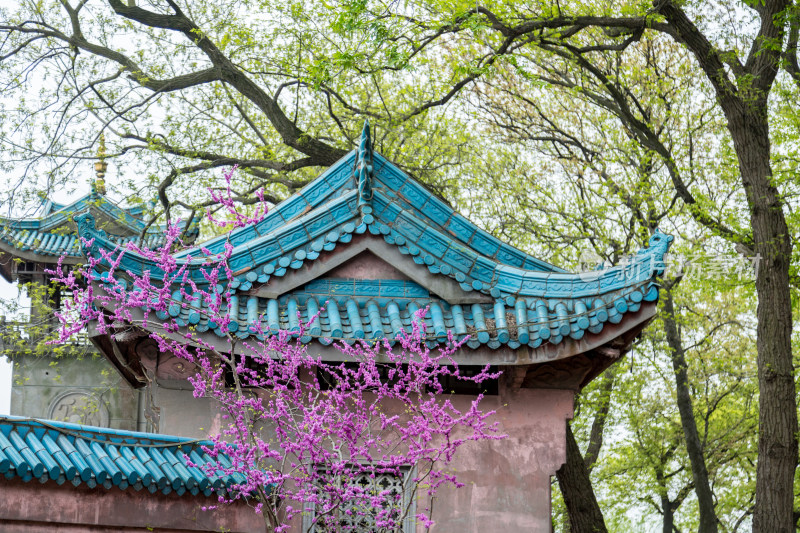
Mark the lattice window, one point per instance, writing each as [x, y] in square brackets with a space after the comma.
[354, 517]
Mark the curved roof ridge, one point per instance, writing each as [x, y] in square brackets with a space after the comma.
[334, 182]
[403, 189]
[248, 255]
[64, 241]
[290, 246]
[55, 213]
[388, 185]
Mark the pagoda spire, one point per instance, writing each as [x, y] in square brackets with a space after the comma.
[100, 167]
[363, 167]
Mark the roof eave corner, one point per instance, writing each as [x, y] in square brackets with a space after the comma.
[88, 233]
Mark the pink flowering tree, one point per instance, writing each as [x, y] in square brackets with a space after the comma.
[349, 444]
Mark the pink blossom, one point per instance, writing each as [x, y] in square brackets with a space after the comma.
[299, 430]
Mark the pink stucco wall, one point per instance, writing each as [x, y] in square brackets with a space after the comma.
[507, 482]
[34, 507]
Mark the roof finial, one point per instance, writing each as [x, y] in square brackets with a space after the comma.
[363, 170]
[100, 167]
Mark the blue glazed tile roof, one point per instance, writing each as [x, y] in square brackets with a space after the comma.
[523, 301]
[49, 234]
[61, 452]
[376, 309]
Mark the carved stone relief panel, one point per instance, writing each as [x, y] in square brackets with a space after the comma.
[79, 407]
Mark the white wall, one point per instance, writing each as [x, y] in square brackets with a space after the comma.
[8, 293]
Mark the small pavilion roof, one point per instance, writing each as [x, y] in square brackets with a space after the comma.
[52, 234]
[47, 450]
[473, 283]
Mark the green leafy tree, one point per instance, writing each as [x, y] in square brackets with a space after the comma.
[182, 90]
[610, 191]
[580, 47]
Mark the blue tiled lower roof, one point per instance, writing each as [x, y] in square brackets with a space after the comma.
[99, 457]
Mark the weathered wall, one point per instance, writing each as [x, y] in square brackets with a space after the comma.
[507, 482]
[33, 507]
[83, 390]
[181, 414]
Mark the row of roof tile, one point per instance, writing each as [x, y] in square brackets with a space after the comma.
[98, 457]
[335, 309]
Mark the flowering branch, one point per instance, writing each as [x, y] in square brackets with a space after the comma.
[303, 435]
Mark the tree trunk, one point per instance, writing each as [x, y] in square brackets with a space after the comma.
[668, 523]
[702, 488]
[573, 480]
[777, 416]
[599, 422]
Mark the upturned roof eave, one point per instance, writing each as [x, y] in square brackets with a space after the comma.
[499, 280]
[607, 340]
